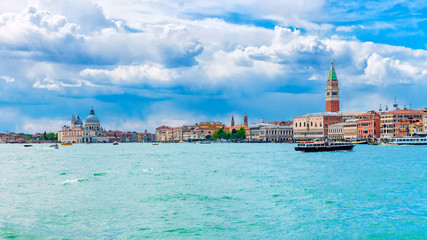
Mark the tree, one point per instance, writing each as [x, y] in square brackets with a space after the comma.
[241, 133]
[208, 137]
[27, 137]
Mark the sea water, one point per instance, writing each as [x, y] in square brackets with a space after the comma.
[212, 191]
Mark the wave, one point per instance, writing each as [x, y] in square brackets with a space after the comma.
[66, 182]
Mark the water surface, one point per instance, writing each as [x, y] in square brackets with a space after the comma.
[215, 191]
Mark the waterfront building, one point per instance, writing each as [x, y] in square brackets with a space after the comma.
[92, 131]
[332, 91]
[408, 127]
[267, 132]
[210, 125]
[336, 131]
[369, 125]
[162, 133]
[425, 120]
[350, 128]
[389, 120]
[315, 125]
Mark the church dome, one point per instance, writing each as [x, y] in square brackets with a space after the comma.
[92, 118]
[78, 121]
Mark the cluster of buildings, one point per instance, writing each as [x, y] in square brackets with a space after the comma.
[332, 124]
[337, 125]
[91, 131]
[11, 137]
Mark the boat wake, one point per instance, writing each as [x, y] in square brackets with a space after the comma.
[67, 182]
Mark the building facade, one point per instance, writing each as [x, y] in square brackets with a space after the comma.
[369, 125]
[315, 125]
[266, 132]
[336, 131]
[389, 120]
[350, 128]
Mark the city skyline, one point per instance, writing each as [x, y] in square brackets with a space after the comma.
[143, 65]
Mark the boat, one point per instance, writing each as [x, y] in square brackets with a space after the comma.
[324, 146]
[66, 144]
[154, 143]
[359, 141]
[28, 145]
[181, 142]
[419, 139]
[115, 143]
[54, 146]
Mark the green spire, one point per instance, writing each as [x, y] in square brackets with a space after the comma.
[332, 75]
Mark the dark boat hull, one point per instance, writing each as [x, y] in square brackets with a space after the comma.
[325, 148]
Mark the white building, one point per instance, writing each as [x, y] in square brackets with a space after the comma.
[92, 132]
[265, 132]
[336, 131]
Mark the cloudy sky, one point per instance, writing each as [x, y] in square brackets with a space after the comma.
[144, 63]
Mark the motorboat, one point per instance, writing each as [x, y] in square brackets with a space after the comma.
[66, 144]
[28, 145]
[54, 146]
[326, 146]
[115, 143]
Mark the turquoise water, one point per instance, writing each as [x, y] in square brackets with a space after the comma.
[215, 191]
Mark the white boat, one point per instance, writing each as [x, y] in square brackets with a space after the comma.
[418, 139]
[115, 143]
[154, 143]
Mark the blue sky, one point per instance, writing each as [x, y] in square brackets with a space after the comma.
[145, 63]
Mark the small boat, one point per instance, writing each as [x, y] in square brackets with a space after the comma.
[359, 141]
[181, 142]
[66, 144]
[154, 143]
[324, 146]
[28, 145]
[54, 146]
[115, 143]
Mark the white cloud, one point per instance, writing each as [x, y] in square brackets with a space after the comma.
[8, 79]
[226, 65]
[386, 70]
[345, 28]
[134, 74]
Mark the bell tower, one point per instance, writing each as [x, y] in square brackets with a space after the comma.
[332, 91]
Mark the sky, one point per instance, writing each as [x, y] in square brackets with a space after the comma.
[145, 63]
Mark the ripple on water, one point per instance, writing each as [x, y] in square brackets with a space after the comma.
[71, 181]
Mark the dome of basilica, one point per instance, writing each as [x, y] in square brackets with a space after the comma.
[92, 118]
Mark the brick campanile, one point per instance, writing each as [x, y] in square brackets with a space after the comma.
[332, 91]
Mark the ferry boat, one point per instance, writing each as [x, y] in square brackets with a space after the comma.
[324, 146]
[418, 139]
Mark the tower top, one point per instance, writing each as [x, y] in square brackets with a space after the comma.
[332, 75]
